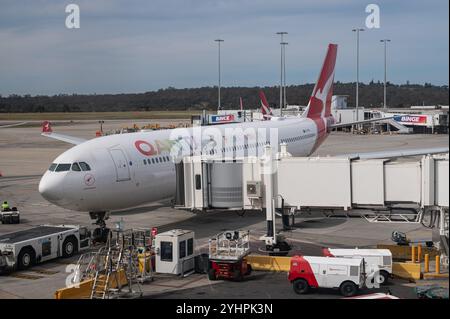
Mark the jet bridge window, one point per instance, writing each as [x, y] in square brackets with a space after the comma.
[76, 167]
[52, 167]
[84, 166]
[63, 167]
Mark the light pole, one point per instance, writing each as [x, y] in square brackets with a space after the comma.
[385, 41]
[218, 105]
[282, 33]
[284, 73]
[357, 30]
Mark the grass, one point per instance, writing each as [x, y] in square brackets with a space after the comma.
[98, 115]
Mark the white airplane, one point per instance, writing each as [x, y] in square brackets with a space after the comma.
[126, 170]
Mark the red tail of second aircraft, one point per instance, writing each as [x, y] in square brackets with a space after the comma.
[265, 108]
[319, 105]
[46, 127]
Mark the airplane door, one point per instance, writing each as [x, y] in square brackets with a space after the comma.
[121, 164]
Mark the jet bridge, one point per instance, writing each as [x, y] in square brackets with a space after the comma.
[313, 183]
[380, 190]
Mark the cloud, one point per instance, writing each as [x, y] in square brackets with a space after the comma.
[137, 46]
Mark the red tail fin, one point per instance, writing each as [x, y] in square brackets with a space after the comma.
[241, 104]
[265, 108]
[320, 102]
[46, 127]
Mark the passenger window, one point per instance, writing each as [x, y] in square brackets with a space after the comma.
[52, 167]
[63, 168]
[76, 167]
[84, 166]
[145, 162]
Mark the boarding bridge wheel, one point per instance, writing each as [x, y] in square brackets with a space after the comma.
[281, 248]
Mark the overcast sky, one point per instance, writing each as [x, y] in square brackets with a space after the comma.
[142, 45]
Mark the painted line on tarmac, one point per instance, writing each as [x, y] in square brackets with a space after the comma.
[26, 276]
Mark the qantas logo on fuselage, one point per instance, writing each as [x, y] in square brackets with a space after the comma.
[155, 148]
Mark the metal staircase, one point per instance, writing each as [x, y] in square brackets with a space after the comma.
[112, 263]
[400, 127]
[118, 268]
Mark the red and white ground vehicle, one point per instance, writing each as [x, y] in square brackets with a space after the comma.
[345, 274]
[378, 262]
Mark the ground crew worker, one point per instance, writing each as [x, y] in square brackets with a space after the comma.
[5, 206]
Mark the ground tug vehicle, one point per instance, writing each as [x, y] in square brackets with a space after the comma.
[306, 272]
[227, 252]
[25, 248]
[10, 216]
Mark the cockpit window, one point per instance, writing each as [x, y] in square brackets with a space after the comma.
[84, 166]
[76, 167]
[52, 167]
[63, 167]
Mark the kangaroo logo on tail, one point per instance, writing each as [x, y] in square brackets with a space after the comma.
[46, 127]
[319, 105]
[265, 108]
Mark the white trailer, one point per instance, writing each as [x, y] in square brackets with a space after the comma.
[378, 262]
[347, 275]
[23, 249]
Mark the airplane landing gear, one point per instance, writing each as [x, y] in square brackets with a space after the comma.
[100, 234]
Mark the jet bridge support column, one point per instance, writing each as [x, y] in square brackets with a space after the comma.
[275, 243]
[267, 171]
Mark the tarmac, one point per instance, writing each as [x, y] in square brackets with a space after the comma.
[25, 155]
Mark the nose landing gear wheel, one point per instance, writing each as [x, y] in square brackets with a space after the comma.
[100, 234]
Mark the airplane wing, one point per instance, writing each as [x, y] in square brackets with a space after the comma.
[398, 153]
[13, 125]
[338, 125]
[48, 132]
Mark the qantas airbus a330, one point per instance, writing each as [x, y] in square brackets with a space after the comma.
[126, 170]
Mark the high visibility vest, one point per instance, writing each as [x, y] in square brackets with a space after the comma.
[5, 206]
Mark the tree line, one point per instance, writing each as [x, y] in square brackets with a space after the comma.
[371, 95]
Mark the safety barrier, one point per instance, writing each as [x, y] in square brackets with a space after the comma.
[407, 270]
[405, 252]
[84, 289]
[269, 263]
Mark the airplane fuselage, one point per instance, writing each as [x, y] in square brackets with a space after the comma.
[126, 170]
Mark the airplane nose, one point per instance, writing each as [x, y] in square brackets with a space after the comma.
[51, 188]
